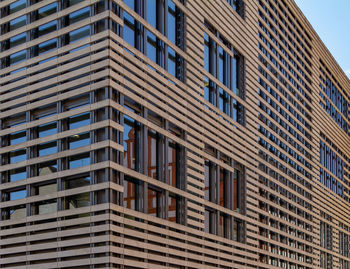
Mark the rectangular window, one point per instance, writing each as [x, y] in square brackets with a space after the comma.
[18, 57]
[78, 160]
[18, 174]
[78, 34]
[47, 129]
[47, 148]
[79, 140]
[15, 195]
[76, 181]
[47, 46]
[47, 10]
[79, 15]
[77, 201]
[17, 40]
[47, 168]
[132, 193]
[17, 6]
[154, 202]
[44, 207]
[175, 208]
[45, 29]
[14, 212]
[17, 23]
[132, 143]
[79, 121]
[18, 137]
[176, 165]
[45, 188]
[18, 156]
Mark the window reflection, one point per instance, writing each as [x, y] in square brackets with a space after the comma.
[18, 174]
[132, 143]
[47, 148]
[132, 193]
[18, 137]
[76, 181]
[17, 156]
[79, 140]
[79, 121]
[77, 201]
[47, 129]
[78, 160]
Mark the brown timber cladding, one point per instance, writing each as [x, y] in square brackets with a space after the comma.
[119, 152]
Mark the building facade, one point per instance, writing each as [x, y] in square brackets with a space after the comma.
[170, 134]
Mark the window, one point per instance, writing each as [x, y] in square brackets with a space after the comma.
[77, 16]
[18, 137]
[47, 148]
[79, 121]
[47, 129]
[15, 195]
[18, 57]
[14, 212]
[17, 23]
[45, 188]
[17, 156]
[47, 10]
[155, 202]
[77, 35]
[79, 140]
[132, 193]
[224, 63]
[176, 209]
[77, 161]
[76, 181]
[176, 165]
[132, 143]
[77, 201]
[46, 168]
[44, 207]
[18, 174]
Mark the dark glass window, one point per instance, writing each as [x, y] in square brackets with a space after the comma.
[132, 193]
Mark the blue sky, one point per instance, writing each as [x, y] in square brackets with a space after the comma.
[331, 20]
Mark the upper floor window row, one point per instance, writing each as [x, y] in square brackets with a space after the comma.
[41, 12]
[168, 20]
[224, 62]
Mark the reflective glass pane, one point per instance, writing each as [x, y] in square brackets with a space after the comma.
[18, 156]
[18, 174]
[79, 140]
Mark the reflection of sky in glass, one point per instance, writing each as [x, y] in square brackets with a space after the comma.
[130, 3]
[171, 22]
[18, 174]
[18, 137]
[47, 10]
[18, 22]
[79, 121]
[47, 129]
[79, 162]
[47, 149]
[151, 46]
[151, 13]
[171, 61]
[15, 195]
[18, 156]
[79, 140]
[129, 34]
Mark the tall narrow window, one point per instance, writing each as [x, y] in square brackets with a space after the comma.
[132, 143]
[132, 193]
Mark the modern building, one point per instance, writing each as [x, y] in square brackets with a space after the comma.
[170, 134]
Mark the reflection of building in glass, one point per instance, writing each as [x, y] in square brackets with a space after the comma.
[170, 134]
